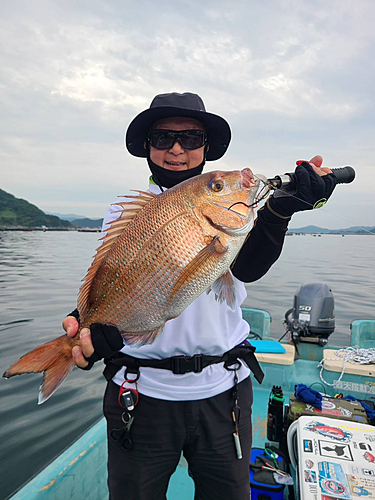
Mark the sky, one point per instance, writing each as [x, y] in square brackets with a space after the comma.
[294, 78]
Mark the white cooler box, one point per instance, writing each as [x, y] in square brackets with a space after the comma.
[334, 459]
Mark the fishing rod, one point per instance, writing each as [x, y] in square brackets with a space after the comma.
[344, 175]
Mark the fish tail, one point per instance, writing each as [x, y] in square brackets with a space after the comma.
[54, 359]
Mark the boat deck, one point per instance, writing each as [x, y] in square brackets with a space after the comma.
[80, 472]
[70, 477]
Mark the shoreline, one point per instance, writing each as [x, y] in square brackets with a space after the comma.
[98, 230]
[45, 229]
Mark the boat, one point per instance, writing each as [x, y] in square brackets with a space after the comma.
[80, 471]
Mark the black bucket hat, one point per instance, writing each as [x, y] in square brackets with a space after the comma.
[174, 104]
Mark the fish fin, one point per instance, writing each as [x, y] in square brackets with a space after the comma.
[54, 359]
[138, 340]
[129, 210]
[144, 196]
[214, 248]
[224, 289]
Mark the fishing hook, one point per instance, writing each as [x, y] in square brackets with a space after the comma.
[260, 196]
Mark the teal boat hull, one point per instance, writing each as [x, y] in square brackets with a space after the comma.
[81, 470]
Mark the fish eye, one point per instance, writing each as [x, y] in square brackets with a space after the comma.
[217, 185]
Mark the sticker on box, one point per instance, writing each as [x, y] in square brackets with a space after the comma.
[307, 446]
[329, 431]
[328, 405]
[310, 476]
[369, 457]
[361, 487]
[332, 480]
[334, 450]
[355, 470]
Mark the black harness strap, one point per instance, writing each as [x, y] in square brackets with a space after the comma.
[184, 364]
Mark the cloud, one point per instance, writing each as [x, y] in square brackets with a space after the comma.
[285, 74]
[105, 64]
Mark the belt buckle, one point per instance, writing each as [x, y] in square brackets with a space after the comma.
[185, 364]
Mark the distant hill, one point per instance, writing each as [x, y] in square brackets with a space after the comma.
[323, 230]
[356, 229]
[18, 212]
[80, 220]
[69, 217]
[309, 229]
[91, 223]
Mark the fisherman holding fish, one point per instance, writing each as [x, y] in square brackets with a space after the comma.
[179, 380]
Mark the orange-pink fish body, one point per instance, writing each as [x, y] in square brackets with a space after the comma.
[156, 258]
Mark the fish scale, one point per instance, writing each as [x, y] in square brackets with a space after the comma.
[145, 254]
[155, 259]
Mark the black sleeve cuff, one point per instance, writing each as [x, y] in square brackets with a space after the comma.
[74, 313]
[271, 216]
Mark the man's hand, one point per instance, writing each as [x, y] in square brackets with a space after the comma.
[314, 185]
[317, 163]
[97, 342]
[71, 326]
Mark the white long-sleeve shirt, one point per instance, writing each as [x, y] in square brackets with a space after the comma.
[205, 327]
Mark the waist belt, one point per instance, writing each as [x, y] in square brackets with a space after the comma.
[185, 364]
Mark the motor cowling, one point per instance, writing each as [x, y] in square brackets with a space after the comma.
[312, 318]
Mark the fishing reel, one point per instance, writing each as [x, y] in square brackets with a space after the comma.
[312, 317]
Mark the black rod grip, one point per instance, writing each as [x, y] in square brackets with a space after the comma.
[344, 175]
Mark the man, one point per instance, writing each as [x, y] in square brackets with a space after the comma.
[179, 411]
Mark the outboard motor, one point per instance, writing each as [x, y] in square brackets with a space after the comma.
[312, 317]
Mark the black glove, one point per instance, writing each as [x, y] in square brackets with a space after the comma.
[106, 340]
[75, 313]
[311, 191]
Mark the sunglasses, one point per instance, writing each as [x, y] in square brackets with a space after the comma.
[165, 139]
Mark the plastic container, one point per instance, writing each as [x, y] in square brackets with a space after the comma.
[267, 489]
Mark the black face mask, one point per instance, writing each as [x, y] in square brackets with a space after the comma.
[170, 178]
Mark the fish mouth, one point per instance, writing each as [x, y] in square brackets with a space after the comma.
[248, 180]
[241, 208]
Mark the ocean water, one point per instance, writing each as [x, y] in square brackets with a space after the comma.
[345, 264]
[40, 274]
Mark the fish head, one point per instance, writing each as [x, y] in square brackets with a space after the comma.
[225, 199]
